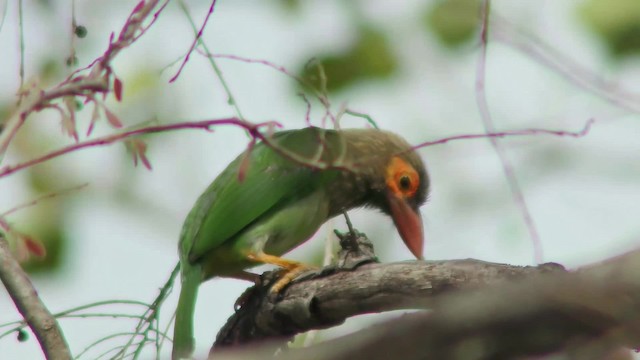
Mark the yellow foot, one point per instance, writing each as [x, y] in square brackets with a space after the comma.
[288, 276]
[291, 269]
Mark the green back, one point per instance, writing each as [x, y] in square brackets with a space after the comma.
[272, 181]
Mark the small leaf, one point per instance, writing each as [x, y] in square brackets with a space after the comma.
[138, 149]
[134, 153]
[141, 150]
[454, 22]
[95, 115]
[117, 89]
[244, 164]
[67, 126]
[112, 118]
[106, 78]
[34, 247]
[138, 7]
[74, 131]
[69, 118]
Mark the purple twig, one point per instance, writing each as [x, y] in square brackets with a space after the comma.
[195, 41]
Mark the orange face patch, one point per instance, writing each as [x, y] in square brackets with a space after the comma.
[401, 178]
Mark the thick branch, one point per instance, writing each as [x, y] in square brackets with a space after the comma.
[478, 310]
[329, 300]
[584, 315]
[357, 286]
[25, 296]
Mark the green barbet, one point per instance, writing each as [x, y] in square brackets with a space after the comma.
[274, 198]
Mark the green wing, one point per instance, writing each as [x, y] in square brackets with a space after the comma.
[228, 205]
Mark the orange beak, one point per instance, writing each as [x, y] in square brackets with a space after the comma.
[409, 224]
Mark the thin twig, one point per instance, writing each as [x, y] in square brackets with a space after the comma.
[68, 313]
[73, 59]
[146, 323]
[367, 117]
[320, 95]
[4, 14]
[97, 81]
[502, 134]
[21, 34]
[195, 41]
[109, 139]
[44, 197]
[227, 89]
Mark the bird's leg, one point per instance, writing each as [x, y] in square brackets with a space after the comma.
[291, 268]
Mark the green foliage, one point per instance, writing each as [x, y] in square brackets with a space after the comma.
[54, 242]
[49, 70]
[616, 23]
[44, 221]
[142, 82]
[369, 58]
[290, 5]
[454, 22]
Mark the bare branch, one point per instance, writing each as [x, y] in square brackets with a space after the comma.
[584, 315]
[329, 297]
[26, 299]
[477, 310]
[231, 100]
[106, 140]
[524, 132]
[44, 197]
[195, 41]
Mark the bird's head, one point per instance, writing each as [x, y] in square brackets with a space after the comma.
[406, 187]
[398, 182]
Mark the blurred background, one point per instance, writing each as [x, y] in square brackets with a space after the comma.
[410, 65]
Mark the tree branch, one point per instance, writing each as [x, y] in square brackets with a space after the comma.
[356, 286]
[25, 296]
[34, 99]
[329, 300]
[478, 310]
[584, 315]
[253, 129]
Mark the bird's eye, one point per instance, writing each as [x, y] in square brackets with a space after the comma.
[405, 182]
[401, 178]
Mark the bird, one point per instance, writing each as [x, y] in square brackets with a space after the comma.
[276, 194]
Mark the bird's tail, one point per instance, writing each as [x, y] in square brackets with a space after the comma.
[183, 341]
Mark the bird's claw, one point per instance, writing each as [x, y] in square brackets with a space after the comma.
[288, 275]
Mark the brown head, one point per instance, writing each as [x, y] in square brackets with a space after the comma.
[388, 175]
